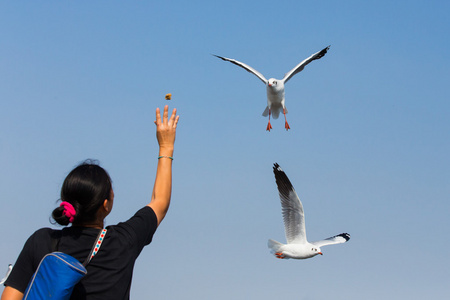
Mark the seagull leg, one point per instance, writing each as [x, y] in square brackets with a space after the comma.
[269, 126]
[286, 125]
[279, 255]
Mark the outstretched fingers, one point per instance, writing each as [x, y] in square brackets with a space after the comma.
[166, 127]
[173, 121]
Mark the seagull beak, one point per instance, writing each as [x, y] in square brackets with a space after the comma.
[320, 253]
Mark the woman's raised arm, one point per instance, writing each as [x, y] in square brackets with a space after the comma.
[162, 190]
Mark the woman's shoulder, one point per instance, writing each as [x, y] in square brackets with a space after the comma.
[145, 214]
[143, 217]
[41, 240]
[138, 229]
[45, 233]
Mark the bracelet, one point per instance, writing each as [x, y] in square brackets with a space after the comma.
[165, 156]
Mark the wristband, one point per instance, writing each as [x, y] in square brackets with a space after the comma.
[165, 156]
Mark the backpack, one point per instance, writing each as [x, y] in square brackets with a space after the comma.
[58, 273]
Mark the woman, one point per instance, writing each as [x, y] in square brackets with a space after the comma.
[87, 198]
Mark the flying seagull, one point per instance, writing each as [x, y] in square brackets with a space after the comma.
[297, 246]
[275, 87]
[7, 274]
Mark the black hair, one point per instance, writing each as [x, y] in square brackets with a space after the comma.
[86, 187]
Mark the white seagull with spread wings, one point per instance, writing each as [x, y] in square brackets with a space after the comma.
[275, 87]
[297, 246]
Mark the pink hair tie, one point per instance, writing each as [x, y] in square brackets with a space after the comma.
[69, 210]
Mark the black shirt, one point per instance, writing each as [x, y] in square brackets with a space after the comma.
[109, 272]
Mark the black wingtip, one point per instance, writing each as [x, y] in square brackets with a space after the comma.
[278, 171]
[346, 236]
[222, 58]
[323, 52]
[281, 179]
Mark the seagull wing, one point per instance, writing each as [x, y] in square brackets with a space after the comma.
[7, 274]
[246, 67]
[302, 65]
[337, 239]
[292, 208]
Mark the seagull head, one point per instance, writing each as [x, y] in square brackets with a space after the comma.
[316, 251]
[272, 82]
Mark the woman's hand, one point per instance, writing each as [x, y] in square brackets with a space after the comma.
[166, 129]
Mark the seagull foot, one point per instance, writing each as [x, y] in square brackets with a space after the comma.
[279, 255]
[269, 126]
[286, 125]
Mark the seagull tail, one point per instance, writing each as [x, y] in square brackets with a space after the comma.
[274, 245]
[275, 111]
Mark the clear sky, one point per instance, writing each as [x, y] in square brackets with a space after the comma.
[368, 152]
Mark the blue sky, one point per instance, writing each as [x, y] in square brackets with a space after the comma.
[367, 152]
